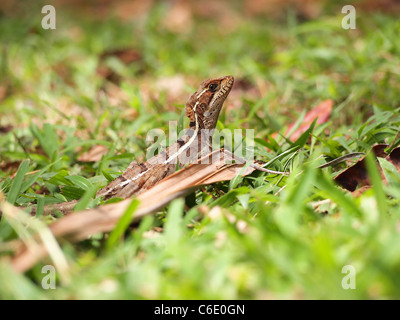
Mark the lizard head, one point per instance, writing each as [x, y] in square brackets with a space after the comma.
[205, 104]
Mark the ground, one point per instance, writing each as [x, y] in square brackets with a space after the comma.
[77, 102]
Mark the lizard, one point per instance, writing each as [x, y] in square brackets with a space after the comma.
[203, 109]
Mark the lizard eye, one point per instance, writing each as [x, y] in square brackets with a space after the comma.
[213, 87]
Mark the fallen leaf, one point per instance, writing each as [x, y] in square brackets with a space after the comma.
[356, 176]
[6, 128]
[322, 112]
[79, 225]
[94, 154]
[394, 157]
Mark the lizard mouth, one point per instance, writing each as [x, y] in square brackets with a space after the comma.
[226, 85]
[229, 81]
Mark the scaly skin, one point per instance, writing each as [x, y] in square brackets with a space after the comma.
[203, 109]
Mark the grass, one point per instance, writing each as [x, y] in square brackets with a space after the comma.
[257, 237]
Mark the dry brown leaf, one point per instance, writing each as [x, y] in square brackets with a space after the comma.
[356, 176]
[79, 225]
[94, 154]
[7, 128]
[321, 112]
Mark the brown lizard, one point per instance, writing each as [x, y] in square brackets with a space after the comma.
[202, 109]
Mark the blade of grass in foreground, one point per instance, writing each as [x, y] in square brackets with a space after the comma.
[85, 200]
[376, 182]
[122, 224]
[338, 196]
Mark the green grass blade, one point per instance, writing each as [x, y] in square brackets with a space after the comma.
[16, 185]
[302, 140]
[40, 206]
[122, 224]
[376, 181]
[173, 225]
[80, 182]
[85, 200]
